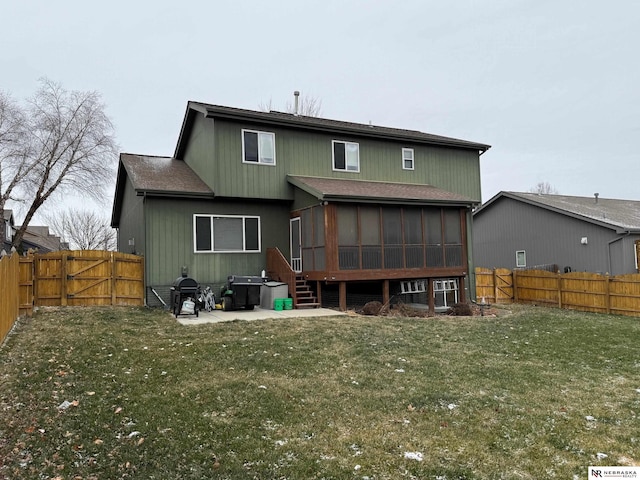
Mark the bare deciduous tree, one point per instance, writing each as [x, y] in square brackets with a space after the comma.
[308, 106]
[13, 154]
[544, 188]
[69, 147]
[83, 229]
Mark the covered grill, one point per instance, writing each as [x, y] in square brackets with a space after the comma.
[183, 296]
[241, 292]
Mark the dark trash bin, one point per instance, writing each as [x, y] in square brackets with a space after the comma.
[184, 289]
[241, 292]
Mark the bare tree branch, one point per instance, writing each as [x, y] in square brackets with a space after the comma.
[14, 164]
[544, 188]
[83, 229]
[308, 106]
[71, 148]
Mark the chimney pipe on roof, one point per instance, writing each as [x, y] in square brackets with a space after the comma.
[296, 94]
[596, 195]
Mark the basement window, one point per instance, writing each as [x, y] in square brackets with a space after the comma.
[445, 293]
[521, 259]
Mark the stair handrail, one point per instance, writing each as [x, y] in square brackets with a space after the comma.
[278, 269]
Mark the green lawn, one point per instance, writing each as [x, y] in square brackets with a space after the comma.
[109, 393]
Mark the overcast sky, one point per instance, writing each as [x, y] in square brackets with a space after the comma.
[552, 86]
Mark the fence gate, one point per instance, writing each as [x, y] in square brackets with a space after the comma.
[503, 283]
[88, 277]
[494, 286]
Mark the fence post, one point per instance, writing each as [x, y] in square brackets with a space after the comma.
[559, 277]
[112, 259]
[63, 280]
[514, 278]
[495, 286]
[607, 292]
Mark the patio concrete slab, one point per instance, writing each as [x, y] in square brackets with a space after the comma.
[217, 316]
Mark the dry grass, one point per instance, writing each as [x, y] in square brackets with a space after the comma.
[538, 393]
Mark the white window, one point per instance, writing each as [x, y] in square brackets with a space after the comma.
[521, 259]
[445, 292]
[258, 147]
[407, 158]
[346, 156]
[7, 231]
[226, 233]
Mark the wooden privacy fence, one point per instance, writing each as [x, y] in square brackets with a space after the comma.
[73, 278]
[88, 277]
[590, 292]
[9, 281]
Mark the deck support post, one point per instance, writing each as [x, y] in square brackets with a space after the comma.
[343, 296]
[430, 298]
[385, 292]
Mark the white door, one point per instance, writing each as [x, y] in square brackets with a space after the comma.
[296, 249]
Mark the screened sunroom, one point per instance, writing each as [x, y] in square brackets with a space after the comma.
[383, 242]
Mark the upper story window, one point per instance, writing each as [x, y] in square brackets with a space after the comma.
[346, 156]
[407, 158]
[258, 147]
[226, 233]
[7, 231]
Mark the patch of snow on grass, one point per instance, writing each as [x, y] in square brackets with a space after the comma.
[417, 456]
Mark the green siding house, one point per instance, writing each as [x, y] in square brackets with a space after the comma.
[342, 212]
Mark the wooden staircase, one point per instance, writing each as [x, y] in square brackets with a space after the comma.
[279, 269]
[304, 297]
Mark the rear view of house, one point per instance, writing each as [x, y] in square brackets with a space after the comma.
[342, 212]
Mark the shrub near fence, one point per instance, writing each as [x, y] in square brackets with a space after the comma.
[583, 291]
[9, 298]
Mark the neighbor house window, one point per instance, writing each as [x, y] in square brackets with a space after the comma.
[521, 259]
[258, 147]
[346, 156]
[225, 233]
[407, 158]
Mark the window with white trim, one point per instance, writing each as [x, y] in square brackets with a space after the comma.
[445, 292]
[407, 158]
[521, 259]
[346, 156]
[258, 147]
[226, 233]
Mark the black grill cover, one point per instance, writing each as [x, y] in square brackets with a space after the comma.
[185, 284]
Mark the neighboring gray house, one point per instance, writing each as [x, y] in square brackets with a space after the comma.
[590, 234]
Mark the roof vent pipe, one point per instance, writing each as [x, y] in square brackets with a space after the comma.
[296, 94]
[596, 195]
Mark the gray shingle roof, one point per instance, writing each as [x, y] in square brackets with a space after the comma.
[336, 126]
[622, 215]
[163, 175]
[382, 192]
